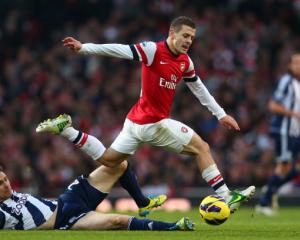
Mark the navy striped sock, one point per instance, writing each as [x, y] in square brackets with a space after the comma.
[129, 182]
[147, 224]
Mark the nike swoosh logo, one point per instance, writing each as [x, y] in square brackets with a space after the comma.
[150, 225]
[162, 62]
[237, 199]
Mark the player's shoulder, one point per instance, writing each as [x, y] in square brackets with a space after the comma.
[148, 47]
[189, 63]
[285, 78]
[185, 57]
[283, 82]
[148, 44]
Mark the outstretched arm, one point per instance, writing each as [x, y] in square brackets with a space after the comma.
[139, 52]
[206, 99]
[111, 50]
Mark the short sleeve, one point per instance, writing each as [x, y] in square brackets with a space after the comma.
[281, 88]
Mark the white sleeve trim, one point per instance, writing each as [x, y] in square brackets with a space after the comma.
[205, 98]
[149, 48]
[111, 50]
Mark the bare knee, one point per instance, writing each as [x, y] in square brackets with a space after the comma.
[204, 147]
[197, 146]
[112, 159]
[119, 222]
[117, 169]
[123, 166]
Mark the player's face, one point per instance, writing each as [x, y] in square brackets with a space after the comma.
[295, 65]
[183, 39]
[5, 188]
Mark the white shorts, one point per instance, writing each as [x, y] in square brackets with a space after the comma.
[169, 134]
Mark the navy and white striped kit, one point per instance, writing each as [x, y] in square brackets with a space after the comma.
[285, 129]
[287, 93]
[24, 211]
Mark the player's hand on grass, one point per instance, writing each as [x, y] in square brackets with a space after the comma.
[72, 43]
[229, 122]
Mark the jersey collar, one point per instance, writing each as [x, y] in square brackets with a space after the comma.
[174, 55]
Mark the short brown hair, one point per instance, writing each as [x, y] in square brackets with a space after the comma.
[177, 23]
[1, 168]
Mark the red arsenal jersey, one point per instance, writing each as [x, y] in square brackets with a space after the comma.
[161, 73]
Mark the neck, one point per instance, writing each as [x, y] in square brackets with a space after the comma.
[171, 46]
[2, 199]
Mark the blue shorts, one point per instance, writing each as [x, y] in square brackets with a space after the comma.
[79, 199]
[287, 148]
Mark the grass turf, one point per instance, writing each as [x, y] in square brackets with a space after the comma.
[244, 224]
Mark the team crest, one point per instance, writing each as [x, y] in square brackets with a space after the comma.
[182, 66]
[184, 129]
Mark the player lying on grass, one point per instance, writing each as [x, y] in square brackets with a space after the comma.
[75, 208]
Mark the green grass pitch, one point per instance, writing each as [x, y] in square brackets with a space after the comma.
[244, 224]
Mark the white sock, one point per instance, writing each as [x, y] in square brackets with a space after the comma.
[87, 143]
[214, 178]
[70, 133]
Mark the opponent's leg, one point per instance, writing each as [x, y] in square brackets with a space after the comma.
[99, 221]
[109, 157]
[284, 172]
[146, 204]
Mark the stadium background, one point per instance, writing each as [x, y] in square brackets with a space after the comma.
[241, 48]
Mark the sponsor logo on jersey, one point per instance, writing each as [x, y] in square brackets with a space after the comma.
[166, 84]
[182, 66]
[173, 78]
[20, 203]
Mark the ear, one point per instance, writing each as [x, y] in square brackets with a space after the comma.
[171, 33]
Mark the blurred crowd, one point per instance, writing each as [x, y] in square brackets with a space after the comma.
[241, 48]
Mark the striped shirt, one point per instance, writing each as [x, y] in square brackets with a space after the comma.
[287, 93]
[23, 211]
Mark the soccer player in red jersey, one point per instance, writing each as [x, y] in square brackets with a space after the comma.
[164, 65]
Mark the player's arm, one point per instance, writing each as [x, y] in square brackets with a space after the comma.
[139, 52]
[2, 220]
[206, 99]
[275, 104]
[278, 108]
[197, 87]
